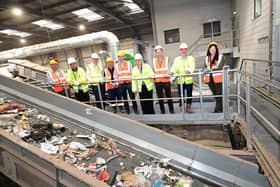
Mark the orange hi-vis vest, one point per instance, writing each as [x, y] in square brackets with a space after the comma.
[58, 81]
[108, 76]
[217, 77]
[124, 73]
[161, 70]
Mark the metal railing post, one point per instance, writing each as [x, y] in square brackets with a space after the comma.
[254, 72]
[269, 77]
[248, 113]
[137, 98]
[200, 91]
[238, 91]
[225, 92]
[65, 90]
[182, 95]
[100, 95]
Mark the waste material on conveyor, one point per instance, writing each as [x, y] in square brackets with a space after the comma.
[99, 156]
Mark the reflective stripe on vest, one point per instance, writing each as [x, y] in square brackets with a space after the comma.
[81, 77]
[124, 73]
[181, 68]
[108, 76]
[217, 77]
[137, 84]
[60, 79]
[96, 73]
[161, 70]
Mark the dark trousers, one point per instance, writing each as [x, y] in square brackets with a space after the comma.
[160, 87]
[147, 106]
[188, 88]
[99, 97]
[64, 92]
[123, 89]
[217, 89]
[81, 96]
[113, 96]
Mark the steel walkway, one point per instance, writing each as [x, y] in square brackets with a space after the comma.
[191, 158]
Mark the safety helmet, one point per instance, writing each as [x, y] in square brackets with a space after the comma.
[94, 56]
[121, 53]
[138, 56]
[53, 61]
[213, 43]
[158, 47]
[183, 46]
[71, 60]
[109, 59]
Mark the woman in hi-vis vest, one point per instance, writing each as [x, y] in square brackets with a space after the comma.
[214, 62]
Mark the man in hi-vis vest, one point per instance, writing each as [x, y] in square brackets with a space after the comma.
[77, 78]
[183, 66]
[95, 76]
[124, 70]
[56, 78]
[162, 81]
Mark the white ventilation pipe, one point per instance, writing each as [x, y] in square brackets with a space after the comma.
[68, 43]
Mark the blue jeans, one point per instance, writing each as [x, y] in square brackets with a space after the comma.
[188, 88]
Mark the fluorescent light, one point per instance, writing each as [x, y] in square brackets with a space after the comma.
[87, 14]
[48, 24]
[1, 41]
[15, 33]
[134, 8]
[17, 11]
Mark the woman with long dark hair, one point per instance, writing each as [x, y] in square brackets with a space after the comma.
[214, 62]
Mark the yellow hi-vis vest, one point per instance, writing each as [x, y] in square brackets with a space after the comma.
[146, 72]
[80, 79]
[95, 74]
[180, 66]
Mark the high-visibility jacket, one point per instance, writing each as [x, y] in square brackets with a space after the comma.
[124, 72]
[95, 74]
[161, 69]
[108, 77]
[77, 80]
[58, 81]
[147, 72]
[217, 77]
[180, 66]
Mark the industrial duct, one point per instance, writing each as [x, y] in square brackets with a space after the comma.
[63, 44]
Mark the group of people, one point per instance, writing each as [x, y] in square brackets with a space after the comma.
[124, 78]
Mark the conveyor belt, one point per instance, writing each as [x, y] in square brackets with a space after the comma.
[194, 159]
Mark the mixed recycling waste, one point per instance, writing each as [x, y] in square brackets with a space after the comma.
[89, 152]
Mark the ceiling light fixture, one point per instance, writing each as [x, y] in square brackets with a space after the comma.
[17, 11]
[48, 24]
[15, 33]
[81, 27]
[22, 41]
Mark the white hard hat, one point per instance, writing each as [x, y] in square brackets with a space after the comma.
[183, 46]
[94, 55]
[71, 60]
[138, 56]
[158, 47]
